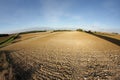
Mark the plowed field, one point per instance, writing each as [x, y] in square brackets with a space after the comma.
[64, 56]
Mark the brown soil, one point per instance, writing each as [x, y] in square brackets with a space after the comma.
[65, 56]
[6, 72]
[4, 38]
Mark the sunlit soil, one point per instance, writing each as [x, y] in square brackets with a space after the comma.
[65, 56]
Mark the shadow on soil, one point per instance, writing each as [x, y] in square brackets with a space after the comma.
[18, 72]
[113, 40]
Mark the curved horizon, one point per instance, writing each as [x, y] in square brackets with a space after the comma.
[103, 15]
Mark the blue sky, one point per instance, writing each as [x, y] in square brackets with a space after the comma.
[99, 15]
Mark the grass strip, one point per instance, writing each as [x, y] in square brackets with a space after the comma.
[5, 42]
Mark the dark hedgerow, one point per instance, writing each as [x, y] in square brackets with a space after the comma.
[4, 35]
[32, 32]
[79, 29]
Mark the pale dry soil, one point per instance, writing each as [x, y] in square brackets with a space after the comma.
[65, 56]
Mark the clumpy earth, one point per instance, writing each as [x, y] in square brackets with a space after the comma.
[63, 56]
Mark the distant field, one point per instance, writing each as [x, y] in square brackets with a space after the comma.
[116, 36]
[4, 38]
[27, 36]
[8, 39]
[113, 38]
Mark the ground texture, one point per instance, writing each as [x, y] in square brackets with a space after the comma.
[64, 56]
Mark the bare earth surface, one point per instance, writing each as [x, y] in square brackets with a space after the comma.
[65, 56]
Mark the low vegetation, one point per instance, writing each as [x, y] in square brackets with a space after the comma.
[79, 29]
[4, 35]
[8, 40]
[89, 31]
[3, 38]
[115, 33]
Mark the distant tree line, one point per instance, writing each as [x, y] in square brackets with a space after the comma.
[114, 33]
[91, 32]
[61, 30]
[79, 29]
[4, 35]
[32, 32]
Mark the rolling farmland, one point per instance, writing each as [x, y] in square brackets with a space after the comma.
[3, 38]
[64, 56]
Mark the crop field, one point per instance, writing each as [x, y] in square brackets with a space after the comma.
[116, 36]
[63, 56]
[30, 35]
[4, 38]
